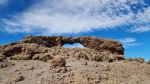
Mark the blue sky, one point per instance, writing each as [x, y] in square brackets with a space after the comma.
[125, 20]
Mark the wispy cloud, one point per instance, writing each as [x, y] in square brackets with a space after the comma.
[76, 16]
[3, 2]
[129, 42]
[141, 29]
[142, 22]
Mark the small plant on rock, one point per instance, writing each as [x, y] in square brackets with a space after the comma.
[13, 58]
[1, 59]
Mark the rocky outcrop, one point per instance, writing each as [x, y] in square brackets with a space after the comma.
[46, 47]
[140, 60]
[98, 44]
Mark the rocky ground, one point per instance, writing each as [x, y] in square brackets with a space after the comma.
[43, 60]
[74, 72]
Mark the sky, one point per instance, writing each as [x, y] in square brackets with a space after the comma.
[127, 21]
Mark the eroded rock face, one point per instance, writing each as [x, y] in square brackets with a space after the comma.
[46, 47]
[98, 44]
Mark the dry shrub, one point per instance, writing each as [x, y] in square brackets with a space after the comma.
[140, 60]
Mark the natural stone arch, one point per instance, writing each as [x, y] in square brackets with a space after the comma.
[98, 44]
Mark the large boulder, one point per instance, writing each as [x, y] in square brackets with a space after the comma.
[58, 61]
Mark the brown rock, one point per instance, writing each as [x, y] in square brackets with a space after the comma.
[3, 65]
[99, 44]
[98, 78]
[31, 68]
[24, 57]
[2, 57]
[84, 63]
[42, 56]
[58, 62]
[140, 60]
[129, 59]
[148, 62]
[46, 47]
[63, 69]
[17, 78]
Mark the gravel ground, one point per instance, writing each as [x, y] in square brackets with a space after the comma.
[75, 72]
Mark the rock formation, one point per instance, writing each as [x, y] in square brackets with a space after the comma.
[95, 43]
[19, 62]
[46, 47]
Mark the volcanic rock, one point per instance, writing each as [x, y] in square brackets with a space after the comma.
[99, 44]
[47, 47]
[148, 62]
[58, 62]
[17, 78]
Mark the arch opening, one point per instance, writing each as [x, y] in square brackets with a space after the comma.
[74, 45]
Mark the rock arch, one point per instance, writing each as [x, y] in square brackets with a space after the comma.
[98, 44]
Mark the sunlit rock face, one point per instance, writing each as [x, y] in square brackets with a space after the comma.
[98, 44]
[46, 47]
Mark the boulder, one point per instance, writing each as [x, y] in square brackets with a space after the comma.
[45, 56]
[58, 61]
[148, 62]
[17, 78]
[140, 60]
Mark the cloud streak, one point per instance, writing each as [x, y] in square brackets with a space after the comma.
[3, 2]
[129, 42]
[141, 29]
[76, 16]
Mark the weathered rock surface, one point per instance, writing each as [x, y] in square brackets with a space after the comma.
[140, 60]
[148, 62]
[17, 78]
[46, 47]
[95, 43]
[69, 65]
[58, 62]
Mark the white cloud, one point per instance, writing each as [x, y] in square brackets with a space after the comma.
[142, 21]
[75, 45]
[76, 16]
[141, 29]
[3, 2]
[129, 42]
